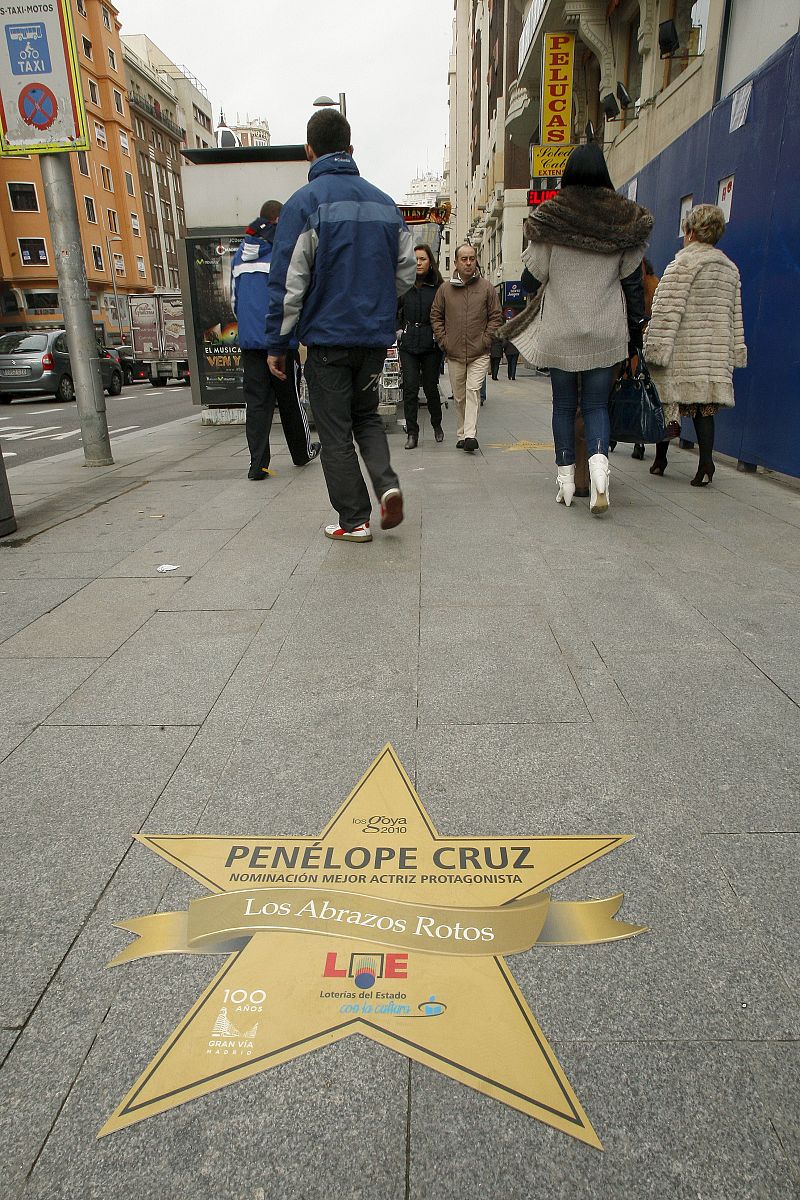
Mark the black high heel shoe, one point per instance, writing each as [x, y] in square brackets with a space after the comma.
[705, 473]
[659, 466]
[638, 451]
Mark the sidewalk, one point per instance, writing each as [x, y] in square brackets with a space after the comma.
[537, 670]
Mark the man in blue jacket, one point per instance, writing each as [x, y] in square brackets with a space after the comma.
[251, 268]
[341, 258]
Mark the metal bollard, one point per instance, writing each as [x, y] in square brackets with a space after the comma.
[8, 522]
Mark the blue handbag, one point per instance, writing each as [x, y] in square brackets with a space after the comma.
[634, 406]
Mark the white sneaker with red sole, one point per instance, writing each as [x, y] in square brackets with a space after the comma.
[361, 533]
[391, 508]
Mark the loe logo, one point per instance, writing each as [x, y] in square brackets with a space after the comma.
[364, 969]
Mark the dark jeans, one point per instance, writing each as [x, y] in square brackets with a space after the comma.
[495, 366]
[261, 392]
[343, 391]
[424, 368]
[595, 388]
[511, 361]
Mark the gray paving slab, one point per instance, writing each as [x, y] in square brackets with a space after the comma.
[169, 672]
[763, 871]
[188, 549]
[78, 796]
[23, 600]
[775, 1069]
[28, 562]
[32, 688]
[94, 623]
[12, 734]
[675, 1120]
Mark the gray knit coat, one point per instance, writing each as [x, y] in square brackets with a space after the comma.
[582, 244]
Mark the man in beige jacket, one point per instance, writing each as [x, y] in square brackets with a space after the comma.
[465, 317]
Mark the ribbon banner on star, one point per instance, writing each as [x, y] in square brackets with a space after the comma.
[380, 927]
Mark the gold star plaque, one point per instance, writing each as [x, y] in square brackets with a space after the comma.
[379, 927]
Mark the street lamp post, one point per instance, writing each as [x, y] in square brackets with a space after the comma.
[109, 239]
[328, 102]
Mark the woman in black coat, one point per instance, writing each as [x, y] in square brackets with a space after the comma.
[419, 354]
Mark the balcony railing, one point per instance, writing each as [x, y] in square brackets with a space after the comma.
[156, 114]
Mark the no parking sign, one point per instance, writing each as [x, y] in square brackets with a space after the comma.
[41, 104]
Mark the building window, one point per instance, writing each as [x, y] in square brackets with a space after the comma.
[135, 225]
[97, 257]
[94, 95]
[118, 101]
[106, 17]
[153, 237]
[100, 135]
[140, 266]
[139, 127]
[113, 223]
[112, 59]
[42, 302]
[22, 197]
[174, 281]
[119, 263]
[633, 66]
[129, 184]
[81, 8]
[144, 165]
[691, 22]
[32, 251]
[158, 274]
[83, 162]
[166, 211]
[181, 217]
[91, 214]
[123, 142]
[87, 47]
[107, 178]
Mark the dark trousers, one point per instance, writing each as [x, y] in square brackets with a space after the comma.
[511, 362]
[343, 390]
[422, 368]
[261, 393]
[495, 367]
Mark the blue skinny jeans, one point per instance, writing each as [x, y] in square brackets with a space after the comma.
[595, 388]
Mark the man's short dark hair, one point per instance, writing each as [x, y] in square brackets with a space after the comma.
[270, 210]
[328, 131]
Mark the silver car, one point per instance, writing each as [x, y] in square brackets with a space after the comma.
[37, 364]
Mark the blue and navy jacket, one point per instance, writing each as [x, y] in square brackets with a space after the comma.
[342, 256]
[250, 284]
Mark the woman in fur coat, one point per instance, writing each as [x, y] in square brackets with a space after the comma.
[583, 261]
[695, 338]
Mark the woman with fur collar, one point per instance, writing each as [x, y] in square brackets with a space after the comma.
[583, 262]
[696, 335]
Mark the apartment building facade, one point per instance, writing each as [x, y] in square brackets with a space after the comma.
[107, 193]
[193, 104]
[157, 142]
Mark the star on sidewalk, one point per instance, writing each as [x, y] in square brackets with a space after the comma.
[284, 993]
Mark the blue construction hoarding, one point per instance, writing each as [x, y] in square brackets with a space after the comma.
[762, 238]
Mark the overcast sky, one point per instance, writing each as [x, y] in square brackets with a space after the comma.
[272, 59]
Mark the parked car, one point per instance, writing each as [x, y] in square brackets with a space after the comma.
[133, 369]
[37, 363]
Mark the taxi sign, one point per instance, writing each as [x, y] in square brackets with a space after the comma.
[41, 103]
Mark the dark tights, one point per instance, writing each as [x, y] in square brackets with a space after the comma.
[704, 430]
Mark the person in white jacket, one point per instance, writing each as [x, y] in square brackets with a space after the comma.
[695, 338]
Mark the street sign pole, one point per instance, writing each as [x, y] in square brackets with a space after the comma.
[73, 288]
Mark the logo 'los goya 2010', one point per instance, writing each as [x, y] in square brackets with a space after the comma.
[379, 927]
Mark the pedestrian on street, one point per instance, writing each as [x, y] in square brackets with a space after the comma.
[342, 257]
[695, 338]
[420, 357]
[466, 315]
[512, 357]
[583, 262]
[250, 287]
[496, 356]
[650, 282]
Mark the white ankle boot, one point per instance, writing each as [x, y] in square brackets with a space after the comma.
[598, 478]
[566, 485]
